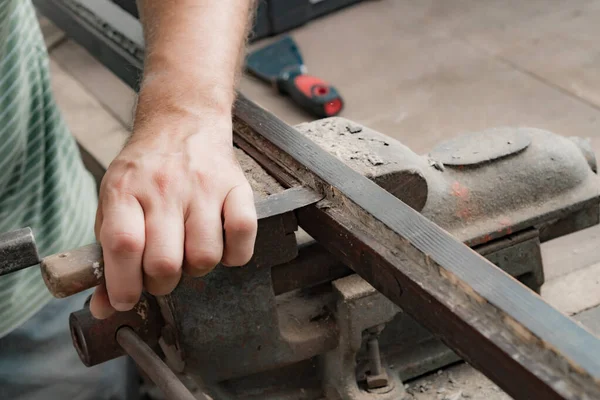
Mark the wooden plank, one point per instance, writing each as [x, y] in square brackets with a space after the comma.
[498, 325]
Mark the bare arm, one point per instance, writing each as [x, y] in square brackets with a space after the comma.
[194, 47]
[175, 195]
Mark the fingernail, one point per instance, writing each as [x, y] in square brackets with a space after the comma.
[123, 306]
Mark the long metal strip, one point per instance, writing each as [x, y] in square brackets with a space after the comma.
[492, 320]
[110, 42]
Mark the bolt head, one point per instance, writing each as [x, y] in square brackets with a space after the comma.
[377, 381]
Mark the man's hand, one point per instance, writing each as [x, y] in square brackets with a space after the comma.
[171, 197]
[175, 199]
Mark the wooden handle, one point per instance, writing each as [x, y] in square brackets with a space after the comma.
[74, 271]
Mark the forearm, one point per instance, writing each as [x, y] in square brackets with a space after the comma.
[194, 50]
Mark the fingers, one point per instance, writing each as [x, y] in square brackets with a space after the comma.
[164, 249]
[203, 238]
[147, 232]
[100, 304]
[240, 225]
[99, 218]
[122, 238]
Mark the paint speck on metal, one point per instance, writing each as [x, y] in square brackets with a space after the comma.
[142, 309]
[460, 191]
[98, 270]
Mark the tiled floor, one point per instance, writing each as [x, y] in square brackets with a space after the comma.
[420, 71]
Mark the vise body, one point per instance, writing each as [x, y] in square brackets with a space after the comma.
[297, 324]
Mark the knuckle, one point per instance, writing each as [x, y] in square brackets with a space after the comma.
[163, 181]
[124, 164]
[119, 175]
[115, 186]
[123, 242]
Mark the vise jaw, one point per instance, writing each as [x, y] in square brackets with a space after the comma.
[296, 324]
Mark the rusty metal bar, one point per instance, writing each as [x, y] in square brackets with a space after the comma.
[152, 365]
[17, 251]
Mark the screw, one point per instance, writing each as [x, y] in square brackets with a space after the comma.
[374, 356]
[377, 377]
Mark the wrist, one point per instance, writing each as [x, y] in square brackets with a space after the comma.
[179, 81]
[172, 121]
[165, 92]
[172, 103]
[168, 85]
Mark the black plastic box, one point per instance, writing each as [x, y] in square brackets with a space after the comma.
[274, 16]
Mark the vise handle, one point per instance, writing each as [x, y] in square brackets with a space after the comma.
[65, 273]
[73, 271]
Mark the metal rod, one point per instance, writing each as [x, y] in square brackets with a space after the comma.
[17, 251]
[374, 356]
[151, 364]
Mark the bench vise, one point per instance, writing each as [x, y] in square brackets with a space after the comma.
[295, 323]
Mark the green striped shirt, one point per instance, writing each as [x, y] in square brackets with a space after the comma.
[43, 183]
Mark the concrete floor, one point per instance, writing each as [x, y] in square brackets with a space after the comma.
[420, 71]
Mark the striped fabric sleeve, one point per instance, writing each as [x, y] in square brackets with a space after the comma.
[43, 183]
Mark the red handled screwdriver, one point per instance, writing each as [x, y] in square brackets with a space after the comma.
[281, 64]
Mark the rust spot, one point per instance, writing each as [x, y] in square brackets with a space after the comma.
[487, 238]
[460, 191]
[141, 309]
[462, 194]
[464, 213]
[508, 230]
[505, 221]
